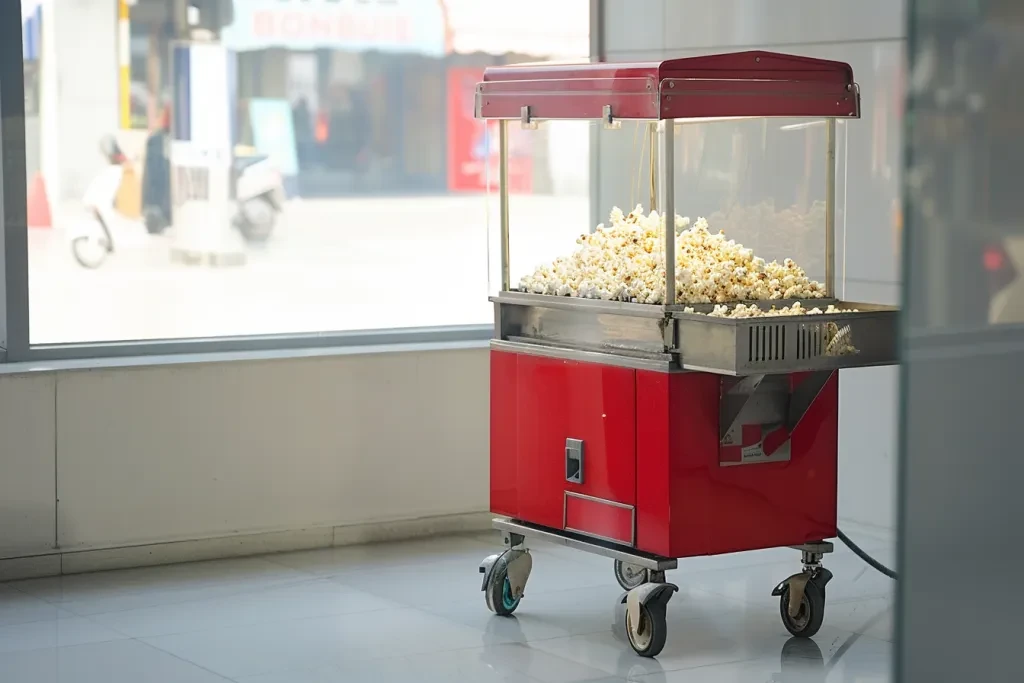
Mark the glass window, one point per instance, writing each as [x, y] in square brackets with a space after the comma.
[284, 167]
[965, 236]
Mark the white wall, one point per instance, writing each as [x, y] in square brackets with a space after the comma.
[870, 35]
[109, 458]
[28, 507]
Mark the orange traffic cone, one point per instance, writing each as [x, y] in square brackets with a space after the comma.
[38, 204]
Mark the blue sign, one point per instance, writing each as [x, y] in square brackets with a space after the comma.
[273, 133]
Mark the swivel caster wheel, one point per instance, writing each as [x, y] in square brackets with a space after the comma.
[647, 636]
[646, 628]
[499, 596]
[504, 582]
[802, 602]
[629, 576]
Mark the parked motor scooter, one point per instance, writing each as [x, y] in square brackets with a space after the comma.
[259, 191]
[259, 194]
[94, 237]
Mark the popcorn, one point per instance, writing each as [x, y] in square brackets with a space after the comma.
[624, 261]
[752, 311]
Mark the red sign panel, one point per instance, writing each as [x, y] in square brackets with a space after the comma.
[473, 144]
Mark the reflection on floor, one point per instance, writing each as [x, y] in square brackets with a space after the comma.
[414, 612]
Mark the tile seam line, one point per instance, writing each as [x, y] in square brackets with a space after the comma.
[246, 624]
[65, 605]
[182, 659]
[61, 647]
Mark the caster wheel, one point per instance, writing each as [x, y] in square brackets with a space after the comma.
[499, 592]
[630, 576]
[810, 615]
[647, 638]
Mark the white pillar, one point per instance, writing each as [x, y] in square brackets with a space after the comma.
[79, 92]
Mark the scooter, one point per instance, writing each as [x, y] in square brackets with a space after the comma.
[93, 238]
[259, 193]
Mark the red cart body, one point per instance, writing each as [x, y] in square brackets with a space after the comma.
[656, 476]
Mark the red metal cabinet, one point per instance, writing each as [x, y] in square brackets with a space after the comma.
[549, 401]
[689, 504]
[677, 442]
[504, 429]
[655, 474]
[595, 404]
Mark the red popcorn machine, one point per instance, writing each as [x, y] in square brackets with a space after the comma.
[667, 385]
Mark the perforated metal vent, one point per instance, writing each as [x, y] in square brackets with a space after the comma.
[767, 343]
[810, 341]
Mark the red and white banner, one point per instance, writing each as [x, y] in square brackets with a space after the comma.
[408, 26]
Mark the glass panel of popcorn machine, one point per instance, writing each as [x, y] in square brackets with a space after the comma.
[575, 238]
[549, 200]
[752, 196]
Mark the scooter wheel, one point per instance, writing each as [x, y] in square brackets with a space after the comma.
[89, 252]
[256, 220]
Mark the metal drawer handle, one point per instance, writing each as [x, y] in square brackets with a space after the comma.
[574, 461]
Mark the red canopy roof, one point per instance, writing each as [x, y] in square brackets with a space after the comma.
[738, 84]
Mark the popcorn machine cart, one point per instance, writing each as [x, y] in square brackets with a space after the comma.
[651, 422]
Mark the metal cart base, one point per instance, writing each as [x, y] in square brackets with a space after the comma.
[642, 576]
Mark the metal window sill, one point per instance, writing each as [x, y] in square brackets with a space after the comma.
[170, 359]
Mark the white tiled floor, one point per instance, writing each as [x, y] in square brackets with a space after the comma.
[413, 612]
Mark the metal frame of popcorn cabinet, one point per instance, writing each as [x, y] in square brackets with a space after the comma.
[646, 433]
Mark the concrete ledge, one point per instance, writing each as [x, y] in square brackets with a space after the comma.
[241, 545]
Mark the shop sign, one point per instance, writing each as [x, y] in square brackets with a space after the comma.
[405, 26]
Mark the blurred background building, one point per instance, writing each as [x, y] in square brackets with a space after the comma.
[378, 88]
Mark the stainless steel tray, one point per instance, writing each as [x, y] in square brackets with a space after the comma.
[788, 343]
[638, 334]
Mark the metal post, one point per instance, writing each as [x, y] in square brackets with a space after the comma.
[14, 311]
[506, 277]
[830, 207]
[124, 63]
[666, 188]
[652, 145]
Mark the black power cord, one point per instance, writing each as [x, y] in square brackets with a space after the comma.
[867, 558]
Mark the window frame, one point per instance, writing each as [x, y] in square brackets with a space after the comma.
[15, 323]
[14, 343]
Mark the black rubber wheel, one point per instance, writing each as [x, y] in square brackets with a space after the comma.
[812, 611]
[499, 591]
[630, 576]
[90, 252]
[256, 220]
[649, 638]
[155, 219]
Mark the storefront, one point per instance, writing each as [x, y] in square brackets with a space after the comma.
[364, 82]
[374, 89]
